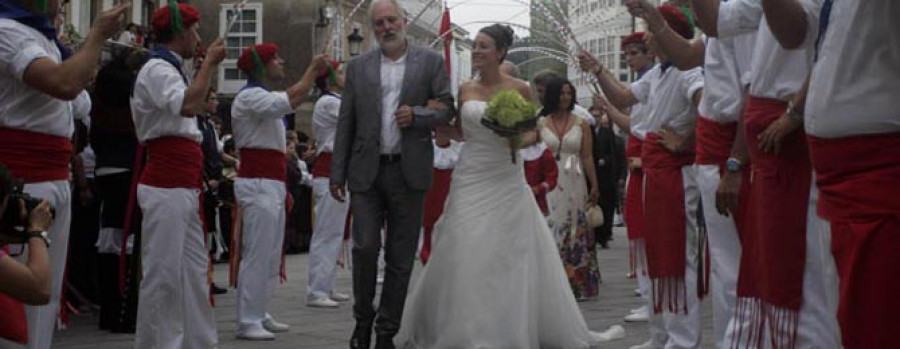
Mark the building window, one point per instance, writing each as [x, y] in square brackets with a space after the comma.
[246, 31]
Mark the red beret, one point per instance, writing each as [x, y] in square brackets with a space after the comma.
[266, 52]
[677, 20]
[634, 38]
[162, 18]
[325, 71]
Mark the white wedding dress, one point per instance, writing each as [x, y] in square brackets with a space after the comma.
[495, 278]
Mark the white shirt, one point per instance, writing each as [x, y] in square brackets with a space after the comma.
[669, 97]
[446, 158]
[81, 108]
[256, 116]
[89, 161]
[391, 86]
[533, 152]
[641, 111]
[726, 77]
[23, 107]
[324, 122]
[775, 72]
[157, 100]
[855, 86]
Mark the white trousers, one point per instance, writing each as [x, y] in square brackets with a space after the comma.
[173, 309]
[683, 330]
[42, 319]
[724, 255]
[263, 214]
[817, 324]
[325, 245]
[657, 331]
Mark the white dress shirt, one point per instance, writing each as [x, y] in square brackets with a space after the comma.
[640, 111]
[669, 97]
[584, 114]
[776, 73]
[391, 86]
[324, 121]
[446, 158]
[81, 108]
[726, 77]
[855, 86]
[256, 119]
[23, 107]
[157, 100]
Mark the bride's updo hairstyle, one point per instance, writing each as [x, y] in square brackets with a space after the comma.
[502, 35]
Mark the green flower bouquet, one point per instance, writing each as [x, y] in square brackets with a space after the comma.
[509, 115]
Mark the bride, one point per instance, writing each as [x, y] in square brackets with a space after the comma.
[495, 278]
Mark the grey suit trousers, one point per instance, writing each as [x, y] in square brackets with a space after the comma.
[391, 204]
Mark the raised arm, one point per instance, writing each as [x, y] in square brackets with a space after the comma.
[298, 92]
[788, 22]
[66, 80]
[615, 115]
[618, 94]
[683, 53]
[707, 12]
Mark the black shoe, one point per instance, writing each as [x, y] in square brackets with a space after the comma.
[362, 336]
[216, 289]
[604, 245]
[384, 342]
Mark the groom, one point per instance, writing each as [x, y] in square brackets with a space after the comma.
[383, 152]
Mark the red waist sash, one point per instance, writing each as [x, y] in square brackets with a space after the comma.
[322, 168]
[634, 194]
[665, 223]
[263, 163]
[173, 162]
[35, 157]
[714, 141]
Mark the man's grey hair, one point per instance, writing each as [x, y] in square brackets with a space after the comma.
[513, 69]
[394, 3]
[544, 77]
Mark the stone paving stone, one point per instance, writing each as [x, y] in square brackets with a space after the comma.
[318, 328]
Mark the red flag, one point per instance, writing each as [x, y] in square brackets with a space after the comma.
[447, 35]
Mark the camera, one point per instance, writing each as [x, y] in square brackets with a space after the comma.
[13, 222]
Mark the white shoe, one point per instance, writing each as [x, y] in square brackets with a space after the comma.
[614, 332]
[274, 326]
[643, 315]
[340, 297]
[380, 279]
[637, 292]
[638, 309]
[323, 303]
[255, 334]
[646, 345]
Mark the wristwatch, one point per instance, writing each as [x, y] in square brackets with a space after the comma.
[39, 234]
[733, 165]
[793, 113]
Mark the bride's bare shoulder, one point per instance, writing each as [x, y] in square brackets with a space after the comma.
[470, 90]
[519, 85]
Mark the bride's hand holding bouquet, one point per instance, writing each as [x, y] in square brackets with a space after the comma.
[512, 117]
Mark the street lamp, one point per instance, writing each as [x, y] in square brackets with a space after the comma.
[326, 13]
[355, 41]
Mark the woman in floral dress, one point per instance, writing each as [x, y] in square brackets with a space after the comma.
[569, 138]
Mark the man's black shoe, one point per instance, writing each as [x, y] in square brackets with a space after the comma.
[384, 342]
[216, 289]
[362, 336]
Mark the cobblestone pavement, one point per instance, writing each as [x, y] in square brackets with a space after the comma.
[331, 328]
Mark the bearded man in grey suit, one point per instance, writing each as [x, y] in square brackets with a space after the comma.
[393, 98]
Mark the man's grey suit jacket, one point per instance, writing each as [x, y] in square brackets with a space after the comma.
[357, 144]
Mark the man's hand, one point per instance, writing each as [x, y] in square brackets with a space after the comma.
[86, 196]
[215, 53]
[594, 196]
[770, 139]
[320, 62]
[634, 163]
[404, 116]
[588, 63]
[728, 193]
[108, 23]
[647, 11]
[436, 105]
[213, 184]
[672, 140]
[40, 218]
[601, 103]
[337, 192]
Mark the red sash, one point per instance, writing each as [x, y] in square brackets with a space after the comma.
[665, 223]
[714, 141]
[263, 163]
[35, 157]
[173, 162]
[633, 210]
[770, 283]
[434, 207]
[859, 193]
[322, 167]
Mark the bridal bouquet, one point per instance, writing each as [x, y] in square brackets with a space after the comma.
[509, 115]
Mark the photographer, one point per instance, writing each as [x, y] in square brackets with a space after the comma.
[28, 283]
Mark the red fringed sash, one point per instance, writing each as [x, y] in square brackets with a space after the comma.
[35, 157]
[263, 163]
[770, 283]
[665, 223]
[434, 207]
[633, 212]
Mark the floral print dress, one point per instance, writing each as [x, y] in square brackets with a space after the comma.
[567, 211]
